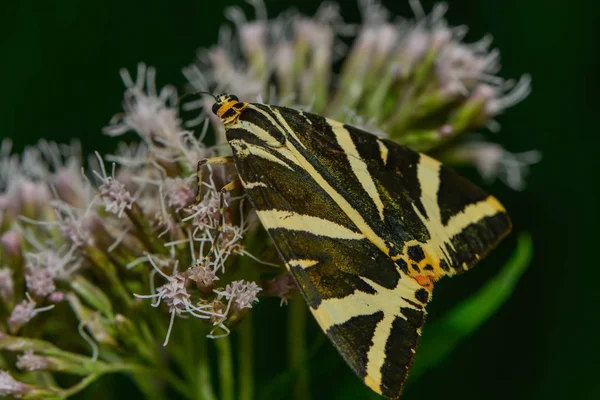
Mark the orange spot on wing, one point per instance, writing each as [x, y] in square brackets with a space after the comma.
[424, 281]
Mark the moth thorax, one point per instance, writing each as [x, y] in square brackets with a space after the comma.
[228, 108]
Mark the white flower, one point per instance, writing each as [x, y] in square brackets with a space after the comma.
[202, 273]
[494, 162]
[415, 79]
[32, 362]
[24, 312]
[115, 195]
[231, 238]
[11, 387]
[74, 229]
[152, 115]
[43, 268]
[242, 293]
[175, 295]
[205, 214]
[40, 281]
[178, 193]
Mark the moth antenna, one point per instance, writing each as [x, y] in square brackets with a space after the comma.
[194, 93]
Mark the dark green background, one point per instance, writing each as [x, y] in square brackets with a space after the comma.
[59, 73]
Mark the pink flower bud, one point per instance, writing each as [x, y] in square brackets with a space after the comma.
[283, 287]
[10, 204]
[11, 387]
[21, 314]
[11, 242]
[32, 362]
[7, 286]
[56, 297]
[35, 193]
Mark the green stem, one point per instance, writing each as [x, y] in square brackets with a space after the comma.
[246, 359]
[143, 231]
[185, 355]
[204, 389]
[131, 368]
[85, 382]
[225, 368]
[149, 387]
[80, 365]
[103, 264]
[176, 383]
[297, 346]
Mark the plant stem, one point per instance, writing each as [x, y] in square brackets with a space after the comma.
[174, 381]
[85, 382]
[142, 230]
[204, 387]
[246, 359]
[225, 368]
[297, 346]
[149, 387]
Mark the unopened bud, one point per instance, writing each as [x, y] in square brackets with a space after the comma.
[9, 386]
[11, 242]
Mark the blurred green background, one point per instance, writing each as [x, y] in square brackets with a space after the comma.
[59, 72]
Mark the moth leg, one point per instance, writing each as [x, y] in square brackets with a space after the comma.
[202, 164]
[231, 186]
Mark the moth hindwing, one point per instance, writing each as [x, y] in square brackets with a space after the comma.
[364, 225]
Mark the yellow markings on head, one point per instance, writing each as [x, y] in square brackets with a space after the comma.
[225, 107]
[228, 108]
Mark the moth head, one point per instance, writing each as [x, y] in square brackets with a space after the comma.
[228, 108]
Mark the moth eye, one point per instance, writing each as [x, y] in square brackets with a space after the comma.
[215, 108]
[233, 98]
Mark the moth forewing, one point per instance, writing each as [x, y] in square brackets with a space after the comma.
[365, 226]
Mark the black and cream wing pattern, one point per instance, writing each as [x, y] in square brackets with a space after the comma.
[364, 225]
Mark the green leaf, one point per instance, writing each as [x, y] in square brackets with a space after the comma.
[469, 315]
[93, 296]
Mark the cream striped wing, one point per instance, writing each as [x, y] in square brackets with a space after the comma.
[364, 225]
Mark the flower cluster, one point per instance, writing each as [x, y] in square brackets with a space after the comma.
[111, 250]
[414, 80]
[97, 241]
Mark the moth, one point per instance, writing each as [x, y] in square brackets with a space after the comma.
[364, 225]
